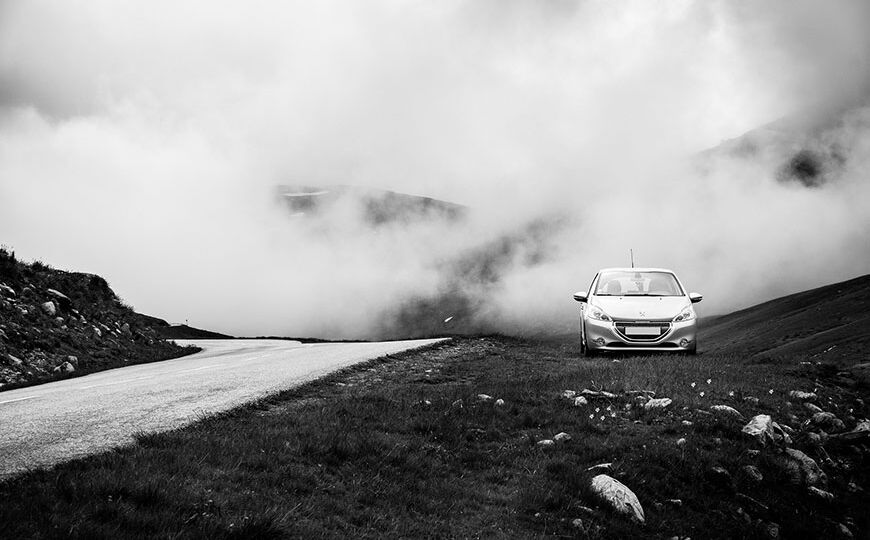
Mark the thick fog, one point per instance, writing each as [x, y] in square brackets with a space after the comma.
[144, 141]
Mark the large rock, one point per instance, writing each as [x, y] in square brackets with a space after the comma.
[617, 496]
[801, 469]
[764, 430]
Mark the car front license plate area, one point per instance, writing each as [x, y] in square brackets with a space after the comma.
[642, 331]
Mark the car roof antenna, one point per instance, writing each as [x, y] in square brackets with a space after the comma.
[631, 254]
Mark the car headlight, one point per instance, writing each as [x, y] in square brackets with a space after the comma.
[686, 315]
[598, 314]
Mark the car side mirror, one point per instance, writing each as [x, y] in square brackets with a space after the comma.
[695, 297]
[581, 296]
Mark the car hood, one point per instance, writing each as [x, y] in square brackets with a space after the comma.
[641, 307]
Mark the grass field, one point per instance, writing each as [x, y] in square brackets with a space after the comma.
[404, 447]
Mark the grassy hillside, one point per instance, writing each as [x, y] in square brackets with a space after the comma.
[830, 323]
[56, 324]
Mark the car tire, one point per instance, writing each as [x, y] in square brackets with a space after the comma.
[692, 351]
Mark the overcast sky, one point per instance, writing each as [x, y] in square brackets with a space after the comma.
[142, 141]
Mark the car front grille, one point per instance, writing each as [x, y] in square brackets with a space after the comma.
[656, 328]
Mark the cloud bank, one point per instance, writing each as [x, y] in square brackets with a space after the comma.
[144, 143]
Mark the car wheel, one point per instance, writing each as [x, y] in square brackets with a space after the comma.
[693, 350]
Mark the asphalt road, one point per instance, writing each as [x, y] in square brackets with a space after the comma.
[43, 425]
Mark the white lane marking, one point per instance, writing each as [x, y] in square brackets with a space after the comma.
[17, 399]
[118, 382]
[201, 368]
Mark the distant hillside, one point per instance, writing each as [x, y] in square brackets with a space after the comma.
[377, 206]
[809, 149]
[56, 324]
[831, 322]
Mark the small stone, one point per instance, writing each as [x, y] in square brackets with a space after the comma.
[657, 403]
[751, 400]
[725, 410]
[499, 402]
[561, 437]
[546, 443]
[720, 476]
[821, 494]
[681, 441]
[457, 404]
[580, 401]
[753, 453]
[49, 308]
[803, 396]
[597, 393]
[577, 523]
[752, 474]
[686, 423]
[569, 394]
[717, 441]
[813, 408]
[844, 531]
[674, 502]
[484, 397]
[802, 469]
[13, 360]
[828, 421]
[601, 467]
[770, 530]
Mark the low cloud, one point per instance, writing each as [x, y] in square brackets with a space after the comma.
[146, 144]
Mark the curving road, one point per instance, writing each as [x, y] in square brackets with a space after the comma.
[44, 425]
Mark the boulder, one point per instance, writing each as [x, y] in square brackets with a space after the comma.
[546, 443]
[657, 403]
[580, 401]
[617, 496]
[801, 470]
[828, 422]
[803, 396]
[66, 367]
[561, 437]
[125, 329]
[725, 410]
[49, 309]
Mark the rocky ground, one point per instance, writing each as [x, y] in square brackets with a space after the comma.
[57, 324]
[492, 437]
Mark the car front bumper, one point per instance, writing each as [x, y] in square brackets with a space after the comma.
[606, 336]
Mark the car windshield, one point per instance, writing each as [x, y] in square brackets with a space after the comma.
[629, 283]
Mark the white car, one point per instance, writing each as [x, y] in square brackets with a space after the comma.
[637, 310]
